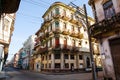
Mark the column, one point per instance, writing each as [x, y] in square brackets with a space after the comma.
[52, 61]
[62, 61]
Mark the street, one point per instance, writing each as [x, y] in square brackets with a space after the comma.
[16, 74]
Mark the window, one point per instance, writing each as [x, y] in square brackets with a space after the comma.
[50, 42]
[72, 28]
[46, 57]
[65, 56]
[64, 25]
[80, 43]
[56, 11]
[49, 57]
[66, 65]
[65, 43]
[43, 58]
[57, 55]
[57, 65]
[6, 22]
[80, 57]
[49, 65]
[71, 16]
[57, 45]
[72, 56]
[73, 43]
[64, 12]
[86, 42]
[51, 27]
[51, 13]
[79, 29]
[45, 65]
[56, 24]
[108, 9]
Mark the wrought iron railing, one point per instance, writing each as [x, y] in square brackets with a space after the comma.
[105, 25]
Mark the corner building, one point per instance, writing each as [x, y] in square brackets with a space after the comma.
[62, 41]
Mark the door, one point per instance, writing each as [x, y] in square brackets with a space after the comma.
[115, 52]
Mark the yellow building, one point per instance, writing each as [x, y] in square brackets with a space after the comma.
[62, 41]
[107, 31]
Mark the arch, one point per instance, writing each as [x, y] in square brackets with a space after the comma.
[87, 62]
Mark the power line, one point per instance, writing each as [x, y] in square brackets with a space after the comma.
[34, 3]
[26, 15]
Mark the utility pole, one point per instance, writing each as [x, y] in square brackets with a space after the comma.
[84, 13]
[90, 46]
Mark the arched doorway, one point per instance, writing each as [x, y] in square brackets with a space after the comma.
[88, 62]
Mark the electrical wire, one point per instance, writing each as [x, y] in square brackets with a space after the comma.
[37, 4]
[26, 15]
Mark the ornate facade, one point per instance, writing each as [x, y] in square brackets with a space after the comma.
[62, 41]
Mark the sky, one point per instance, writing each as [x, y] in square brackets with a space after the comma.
[29, 19]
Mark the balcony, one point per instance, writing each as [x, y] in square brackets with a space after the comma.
[75, 49]
[47, 21]
[57, 47]
[43, 50]
[64, 17]
[65, 32]
[78, 23]
[104, 28]
[80, 35]
[72, 20]
[73, 34]
[57, 31]
[56, 16]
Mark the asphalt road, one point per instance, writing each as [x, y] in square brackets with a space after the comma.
[16, 74]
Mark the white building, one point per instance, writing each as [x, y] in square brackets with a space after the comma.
[28, 47]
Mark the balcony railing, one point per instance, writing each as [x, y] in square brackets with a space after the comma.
[64, 17]
[107, 25]
[43, 50]
[65, 31]
[57, 31]
[80, 35]
[73, 34]
[72, 20]
[56, 16]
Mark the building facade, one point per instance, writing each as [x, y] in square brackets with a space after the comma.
[28, 47]
[62, 41]
[107, 31]
[6, 31]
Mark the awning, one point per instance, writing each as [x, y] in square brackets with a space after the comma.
[9, 6]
